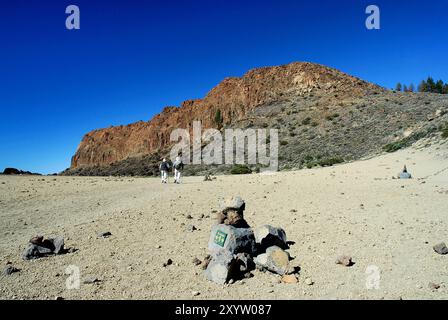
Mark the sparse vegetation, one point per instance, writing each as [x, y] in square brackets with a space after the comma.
[240, 169]
[445, 131]
[306, 121]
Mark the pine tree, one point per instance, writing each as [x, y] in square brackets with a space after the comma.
[423, 86]
[399, 87]
[431, 85]
[218, 118]
[439, 87]
[411, 87]
[405, 88]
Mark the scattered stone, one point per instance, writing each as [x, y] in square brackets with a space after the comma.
[105, 234]
[275, 260]
[37, 240]
[345, 261]
[309, 282]
[91, 280]
[58, 244]
[267, 236]
[289, 279]
[189, 217]
[441, 248]
[34, 251]
[434, 286]
[58, 298]
[191, 228]
[9, 270]
[208, 177]
[206, 261]
[195, 293]
[168, 263]
[197, 262]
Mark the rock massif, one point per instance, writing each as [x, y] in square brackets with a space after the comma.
[315, 108]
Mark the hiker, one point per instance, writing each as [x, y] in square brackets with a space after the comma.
[178, 166]
[164, 167]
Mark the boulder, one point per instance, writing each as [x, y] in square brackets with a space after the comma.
[218, 269]
[231, 239]
[58, 244]
[34, 251]
[275, 260]
[225, 267]
[233, 203]
[267, 236]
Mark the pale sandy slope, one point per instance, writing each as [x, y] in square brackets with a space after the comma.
[355, 209]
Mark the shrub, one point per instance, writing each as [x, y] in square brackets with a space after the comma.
[283, 143]
[328, 162]
[240, 169]
[306, 121]
[445, 132]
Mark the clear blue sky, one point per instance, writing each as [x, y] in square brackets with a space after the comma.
[132, 58]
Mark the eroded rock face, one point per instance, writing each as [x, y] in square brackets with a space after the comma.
[233, 97]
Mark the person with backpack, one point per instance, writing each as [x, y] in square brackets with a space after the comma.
[178, 166]
[164, 167]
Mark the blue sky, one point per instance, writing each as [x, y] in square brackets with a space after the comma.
[132, 58]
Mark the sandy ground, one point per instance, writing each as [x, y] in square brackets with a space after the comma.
[355, 209]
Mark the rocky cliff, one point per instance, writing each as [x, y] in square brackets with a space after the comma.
[320, 113]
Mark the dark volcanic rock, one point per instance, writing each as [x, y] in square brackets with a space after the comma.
[441, 248]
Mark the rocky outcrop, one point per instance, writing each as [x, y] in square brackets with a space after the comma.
[233, 97]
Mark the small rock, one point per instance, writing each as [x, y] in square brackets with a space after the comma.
[37, 240]
[168, 263]
[91, 280]
[275, 259]
[441, 248]
[309, 282]
[345, 261]
[195, 293]
[196, 261]
[191, 228]
[434, 286]
[206, 261]
[9, 270]
[289, 279]
[58, 298]
[105, 234]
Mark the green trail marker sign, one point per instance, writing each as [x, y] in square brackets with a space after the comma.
[220, 238]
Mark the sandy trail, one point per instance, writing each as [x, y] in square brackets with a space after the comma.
[355, 209]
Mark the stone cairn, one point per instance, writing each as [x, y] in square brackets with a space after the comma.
[236, 249]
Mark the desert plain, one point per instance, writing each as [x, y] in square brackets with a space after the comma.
[354, 209]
